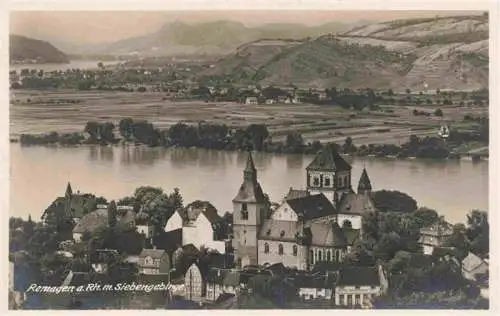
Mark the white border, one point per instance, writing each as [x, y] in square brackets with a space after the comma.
[187, 5]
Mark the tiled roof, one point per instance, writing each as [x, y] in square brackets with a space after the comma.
[322, 234]
[358, 276]
[352, 203]
[278, 230]
[99, 218]
[351, 235]
[312, 206]
[308, 281]
[330, 160]
[92, 221]
[327, 235]
[471, 262]
[296, 193]
[153, 253]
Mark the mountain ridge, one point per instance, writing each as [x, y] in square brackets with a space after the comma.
[22, 48]
[438, 53]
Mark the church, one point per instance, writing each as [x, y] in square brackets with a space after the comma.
[317, 224]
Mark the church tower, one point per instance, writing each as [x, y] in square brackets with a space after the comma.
[329, 174]
[249, 209]
[69, 191]
[364, 184]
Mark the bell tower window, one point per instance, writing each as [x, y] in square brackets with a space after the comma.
[244, 211]
[280, 249]
[327, 182]
[316, 181]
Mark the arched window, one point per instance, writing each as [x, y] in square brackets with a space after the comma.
[294, 250]
[244, 211]
[280, 249]
[337, 256]
[311, 257]
[282, 233]
[320, 255]
[328, 255]
[266, 248]
[340, 182]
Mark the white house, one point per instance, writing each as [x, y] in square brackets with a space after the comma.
[357, 286]
[315, 287]
[251, 100]
[201, 226]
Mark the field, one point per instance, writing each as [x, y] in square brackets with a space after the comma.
[51, 111]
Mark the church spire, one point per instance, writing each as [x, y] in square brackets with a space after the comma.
[250, 173]
[364, 184]
[69, 191]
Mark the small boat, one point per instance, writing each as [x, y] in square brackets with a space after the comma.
[444, 131]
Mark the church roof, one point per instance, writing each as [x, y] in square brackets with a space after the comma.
[249, 192]
[296, 193]
[322, 234]
[329, 160]
[250, 166]
[327, 235]
[312, 206]
[352, 203]
[364, 181]
[278, 230]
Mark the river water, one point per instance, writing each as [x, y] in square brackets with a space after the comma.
[40, 174]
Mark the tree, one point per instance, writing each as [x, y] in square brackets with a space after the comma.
[92, 128]
[478, 230]
[125, 127]
[257, 133]
[100, 65]
[426, 216]
[393, 201]
[106, 132]
[348, 146]
[438, 112]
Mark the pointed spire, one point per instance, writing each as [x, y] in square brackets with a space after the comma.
[364, 184]
[69, 191]
[250, 173]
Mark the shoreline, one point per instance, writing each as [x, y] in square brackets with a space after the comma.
[121, 143]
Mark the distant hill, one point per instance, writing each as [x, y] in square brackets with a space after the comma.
[27, 49]
[445, 53]
[212, 38]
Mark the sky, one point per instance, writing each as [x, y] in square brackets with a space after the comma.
[105, 26]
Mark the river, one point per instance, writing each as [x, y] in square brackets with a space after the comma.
[40, 174]
[73, 64]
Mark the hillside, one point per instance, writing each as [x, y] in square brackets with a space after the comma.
[28, 49]
[212, 38]
[444, 53]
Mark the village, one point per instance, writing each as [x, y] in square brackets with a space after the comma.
[309, 250]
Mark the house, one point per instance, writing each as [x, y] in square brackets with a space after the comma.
[201, 225]
[251, 100]
[154, 261]
[194, 284]
[104, 216]
[99, 259]
[144, 225]
[222, 281]
[473, 267]
[434, 236]
[357, 286]
[315, 286]
[269, 101]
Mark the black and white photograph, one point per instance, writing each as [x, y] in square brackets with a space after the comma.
[248, 159]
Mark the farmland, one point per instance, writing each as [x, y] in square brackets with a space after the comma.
[34, 112]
